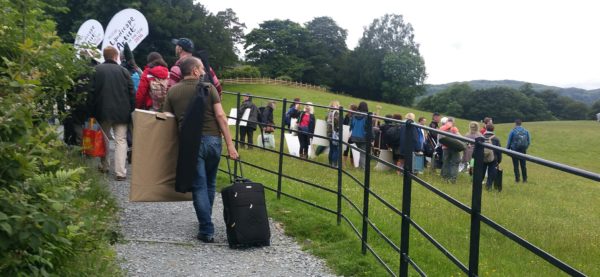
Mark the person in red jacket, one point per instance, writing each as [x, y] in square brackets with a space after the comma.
[156, 68]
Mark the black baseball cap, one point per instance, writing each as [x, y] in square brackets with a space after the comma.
[186, 44]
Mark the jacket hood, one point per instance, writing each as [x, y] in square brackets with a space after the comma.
[159, 71]
[359, 116]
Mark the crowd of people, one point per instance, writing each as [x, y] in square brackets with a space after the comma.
[390, 135]
[191, 91]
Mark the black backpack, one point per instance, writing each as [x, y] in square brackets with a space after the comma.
[392, 135]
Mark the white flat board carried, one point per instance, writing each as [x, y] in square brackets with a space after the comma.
[128, 25]
[320, 130]
[346, 135]
[245, 117]
[294, 124]
[384, 155]
[355, 156]
[293, 144]
[232, 117]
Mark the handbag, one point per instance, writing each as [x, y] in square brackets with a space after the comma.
[93, 139]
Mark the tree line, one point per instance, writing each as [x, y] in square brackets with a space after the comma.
[506, 104]
[386, 65]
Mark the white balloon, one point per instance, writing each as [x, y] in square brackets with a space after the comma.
[128, 25]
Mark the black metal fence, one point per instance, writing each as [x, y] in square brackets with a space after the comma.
[476, 217]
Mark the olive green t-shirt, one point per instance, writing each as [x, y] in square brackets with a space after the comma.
[182, 94]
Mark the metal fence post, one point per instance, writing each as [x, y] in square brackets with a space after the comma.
[365, 224]
[476, 208]
[339, 163]
[407, 150]
[237, 132]
[281, 138]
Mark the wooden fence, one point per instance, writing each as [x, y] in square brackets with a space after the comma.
[272, 81]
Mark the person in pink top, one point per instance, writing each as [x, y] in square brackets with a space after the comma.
[451, 158]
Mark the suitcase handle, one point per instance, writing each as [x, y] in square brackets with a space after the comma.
[235, 178]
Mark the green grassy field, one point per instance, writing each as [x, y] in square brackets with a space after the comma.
[556, 211]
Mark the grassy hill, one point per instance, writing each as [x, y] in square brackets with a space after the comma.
[581, 95]
[556, 211]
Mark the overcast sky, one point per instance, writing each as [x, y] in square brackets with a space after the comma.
[552, 42]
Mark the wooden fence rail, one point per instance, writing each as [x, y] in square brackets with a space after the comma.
[272, 81]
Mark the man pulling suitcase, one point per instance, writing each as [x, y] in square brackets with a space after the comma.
[245, 213]
[202, 121]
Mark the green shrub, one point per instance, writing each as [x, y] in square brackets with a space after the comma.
[51, 211]
[244, 71]
[284, 78]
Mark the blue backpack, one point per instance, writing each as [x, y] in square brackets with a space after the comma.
[519, 140]
[288, 115]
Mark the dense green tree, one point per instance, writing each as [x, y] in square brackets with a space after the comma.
[501, 103]
[387, 63]
[402, 78]
[325, 48]
[278, 47]
[232, 23]
[457, 92]
[167, 19]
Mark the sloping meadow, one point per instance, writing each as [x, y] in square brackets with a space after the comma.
[555, 211]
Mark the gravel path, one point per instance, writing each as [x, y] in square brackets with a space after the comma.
[159, 240]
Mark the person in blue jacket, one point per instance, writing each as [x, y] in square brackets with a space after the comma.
[519, 140]
[358, 130]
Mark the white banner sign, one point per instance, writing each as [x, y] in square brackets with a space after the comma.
[90, 34]
[321, 130]
[232, 117]
[128, 25]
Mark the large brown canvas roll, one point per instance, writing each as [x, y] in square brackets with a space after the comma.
[154, 158]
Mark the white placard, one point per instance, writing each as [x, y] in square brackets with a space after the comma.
[128, 25]
[232, 117]
[321, 130]
[245, 116]
[294, 124]
[293, 144]
[384, 155]
[90, 34]
[346, 135]
[355, 156]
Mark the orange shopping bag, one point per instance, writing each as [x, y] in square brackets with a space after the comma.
[93, 139]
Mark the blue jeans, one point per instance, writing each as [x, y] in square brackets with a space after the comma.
[333, 154]
[203, 189]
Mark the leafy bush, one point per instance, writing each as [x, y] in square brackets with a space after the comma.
[244, 71]
[51, 211]
[285, 78]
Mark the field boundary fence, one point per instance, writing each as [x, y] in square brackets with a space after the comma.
[409, 180]
[269, 81]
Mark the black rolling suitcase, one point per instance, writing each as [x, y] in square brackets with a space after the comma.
[245, 213]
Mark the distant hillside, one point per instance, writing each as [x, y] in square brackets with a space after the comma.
[586, 96]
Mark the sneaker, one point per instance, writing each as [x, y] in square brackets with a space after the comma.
[120, 178]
